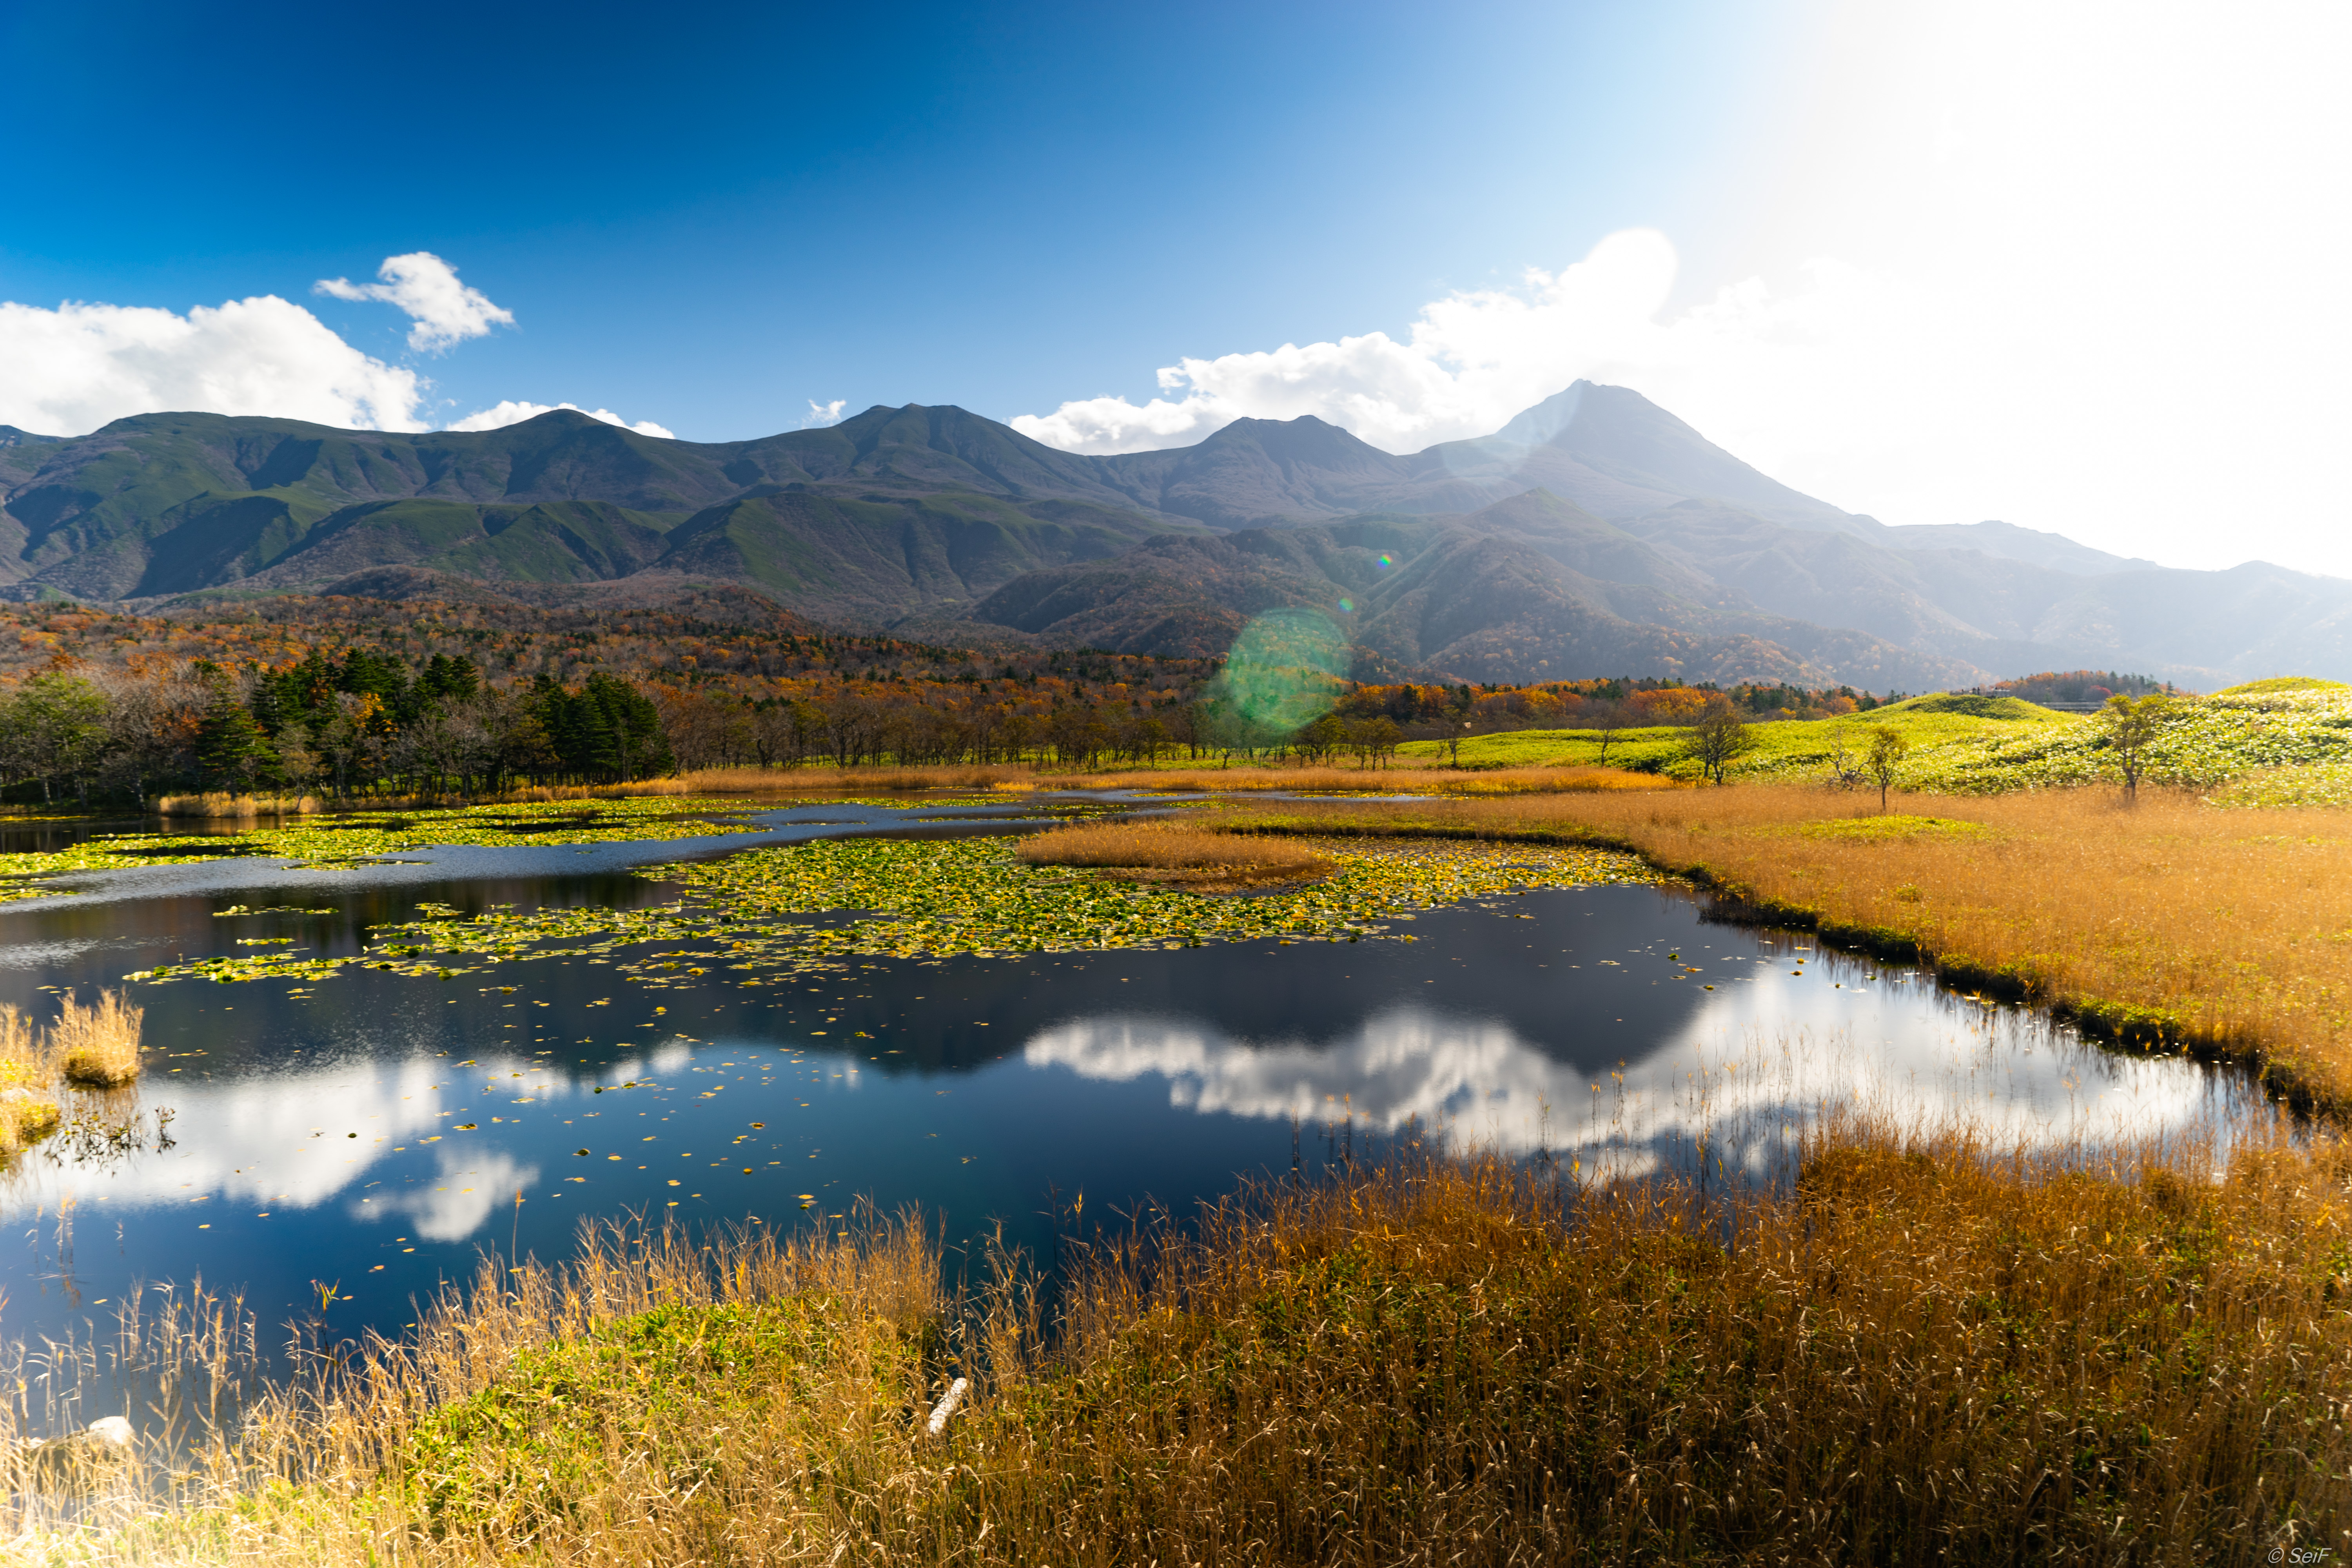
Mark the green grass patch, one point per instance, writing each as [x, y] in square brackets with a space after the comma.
[658, 1393]
[1962, 744]
[1893, 827]
[2280, 683]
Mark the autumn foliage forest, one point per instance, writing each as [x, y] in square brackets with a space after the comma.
[356, 698]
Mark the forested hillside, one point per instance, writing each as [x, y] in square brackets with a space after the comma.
[360, 698]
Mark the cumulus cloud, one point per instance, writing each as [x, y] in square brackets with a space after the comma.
[2075, 267]
[447, 311]
[73, 369]
[1470, 360]
[821, 413]
[514, 410]
[1730, 363]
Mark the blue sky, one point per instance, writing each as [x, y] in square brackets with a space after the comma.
[716, 220]
[2075, 267]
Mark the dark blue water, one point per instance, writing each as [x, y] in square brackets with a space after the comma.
[370, 1135]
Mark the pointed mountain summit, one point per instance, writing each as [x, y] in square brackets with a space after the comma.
[1592, 534]
[1616, 453]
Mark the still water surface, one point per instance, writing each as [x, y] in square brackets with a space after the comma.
[374, 1132]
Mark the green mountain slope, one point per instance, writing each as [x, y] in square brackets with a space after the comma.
[1481, 598]
[177, 503]
[879, 558]
[1590, 516]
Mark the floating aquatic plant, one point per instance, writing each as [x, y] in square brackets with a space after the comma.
[747, 913]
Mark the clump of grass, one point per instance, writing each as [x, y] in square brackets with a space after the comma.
[98, 1045]
[1178, 854]
[1930, 1350]
[28, 1068]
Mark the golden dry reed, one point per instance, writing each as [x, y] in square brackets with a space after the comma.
[28, 1069]
[98, 1045]
[1013, 776]
[1384, 781]
[1180, 853]
[1930, 1350]
[218, 805]
[2165, 922]
[755, 780]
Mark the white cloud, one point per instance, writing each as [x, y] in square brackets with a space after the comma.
[821, 413]
[1470, 360]
[71, 370]
[514, 410]
[2075, 267]
[447, 311]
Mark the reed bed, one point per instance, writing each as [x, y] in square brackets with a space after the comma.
[1584, 780]
[216, 806]
[630, 791]
[1929, 1350]
[220, 807]
[2164, 924]
[1181, 854]
[1018, 777]
[97, 1045]
[854, 781]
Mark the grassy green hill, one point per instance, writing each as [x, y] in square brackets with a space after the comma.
[2286, 742]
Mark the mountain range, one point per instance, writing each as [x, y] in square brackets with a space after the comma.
[1593, 535]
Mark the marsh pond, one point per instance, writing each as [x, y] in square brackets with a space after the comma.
[368, 1062]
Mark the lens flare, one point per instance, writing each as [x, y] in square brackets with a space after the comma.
[1284, 671]
[1384, 560]
[1346, 607]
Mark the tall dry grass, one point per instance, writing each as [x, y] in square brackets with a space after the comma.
[29, 1072]
[98, 1045]
[744, 781]
[217, 806]
[2168, 921]
[630, 791]
[1380, 781]
[1021, 776]
[1182, 854]
[1929, 1350]
[221, 808]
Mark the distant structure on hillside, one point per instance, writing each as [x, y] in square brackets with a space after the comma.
[2076, 690]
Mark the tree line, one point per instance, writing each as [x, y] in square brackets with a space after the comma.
[355, 726]
[358, 721]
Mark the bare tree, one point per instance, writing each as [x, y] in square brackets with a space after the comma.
[1610, 721]
[1845, 769]
[1718, 738]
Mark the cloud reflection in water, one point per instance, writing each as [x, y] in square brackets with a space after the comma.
[1744, 1080]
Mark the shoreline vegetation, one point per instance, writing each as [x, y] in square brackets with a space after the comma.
[93, 1047]
[2162, 925]
[1930, 1349]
